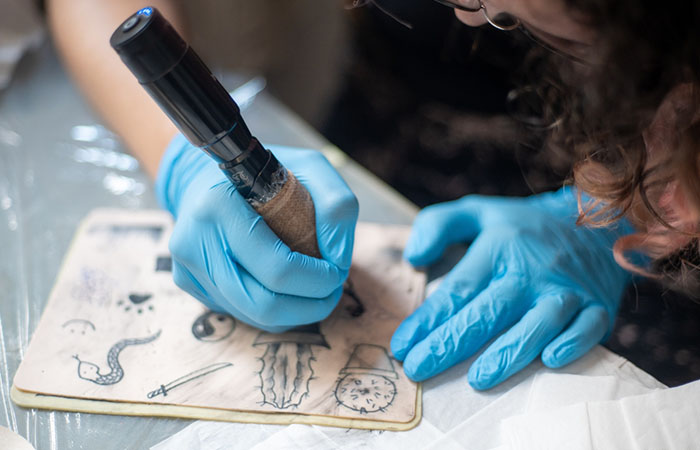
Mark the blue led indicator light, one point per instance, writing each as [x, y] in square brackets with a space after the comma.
[146, 11]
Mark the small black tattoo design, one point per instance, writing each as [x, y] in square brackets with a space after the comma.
[365, 385]
[137, 299]
[78, 326]
[286, 370]
[137, 303]
[212, 326]
[91, 372]
[164, 389]
[164, 264]
[358, 308]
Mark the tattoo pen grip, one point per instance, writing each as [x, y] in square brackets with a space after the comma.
[186, 90]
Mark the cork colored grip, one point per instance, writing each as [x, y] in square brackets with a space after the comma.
[291, 215]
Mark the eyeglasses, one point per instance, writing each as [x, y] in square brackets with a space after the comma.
[570, 50]
[502, 21]
[507, 22]
[352, 4]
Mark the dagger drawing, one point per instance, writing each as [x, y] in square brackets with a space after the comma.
[165, 388]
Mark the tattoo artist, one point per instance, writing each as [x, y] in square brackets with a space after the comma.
[543, 276]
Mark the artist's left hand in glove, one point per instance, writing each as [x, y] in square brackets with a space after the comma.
[531, 278]
[226, 256]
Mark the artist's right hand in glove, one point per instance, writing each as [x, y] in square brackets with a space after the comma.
[531, 278]
[226, 256]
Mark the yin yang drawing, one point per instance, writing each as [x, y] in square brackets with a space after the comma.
[212, 326]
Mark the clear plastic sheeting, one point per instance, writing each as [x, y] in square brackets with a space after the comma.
[56, 164]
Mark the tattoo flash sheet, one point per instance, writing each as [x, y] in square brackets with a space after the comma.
[117, 331]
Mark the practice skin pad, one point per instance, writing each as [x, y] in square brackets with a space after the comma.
[118, 337]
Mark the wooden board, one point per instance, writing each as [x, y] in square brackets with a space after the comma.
[118, 337]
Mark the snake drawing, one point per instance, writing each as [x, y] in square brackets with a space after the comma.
[91, 372]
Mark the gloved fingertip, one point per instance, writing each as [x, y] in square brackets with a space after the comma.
[402, 341]
[411, 375]
[409, 251]
[332, 301]
[418, 252]
[399, 347]
[415, 369]
[342, 256]
[336, 243]
[482, 378]
[555, 357]
[344, 261]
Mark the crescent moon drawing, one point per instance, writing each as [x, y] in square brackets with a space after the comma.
[78, 326]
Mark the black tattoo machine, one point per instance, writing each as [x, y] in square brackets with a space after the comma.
[182, 85]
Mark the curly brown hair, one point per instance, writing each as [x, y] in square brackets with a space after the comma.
[631, 117]
[629, 120]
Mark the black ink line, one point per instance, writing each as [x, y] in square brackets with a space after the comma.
[83, 321]
[91, 372]
[359, 308]
[164, 389]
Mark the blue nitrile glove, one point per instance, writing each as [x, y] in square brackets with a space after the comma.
[226, 256]
[531, 276]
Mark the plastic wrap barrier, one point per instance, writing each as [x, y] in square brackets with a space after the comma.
[56, 164]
